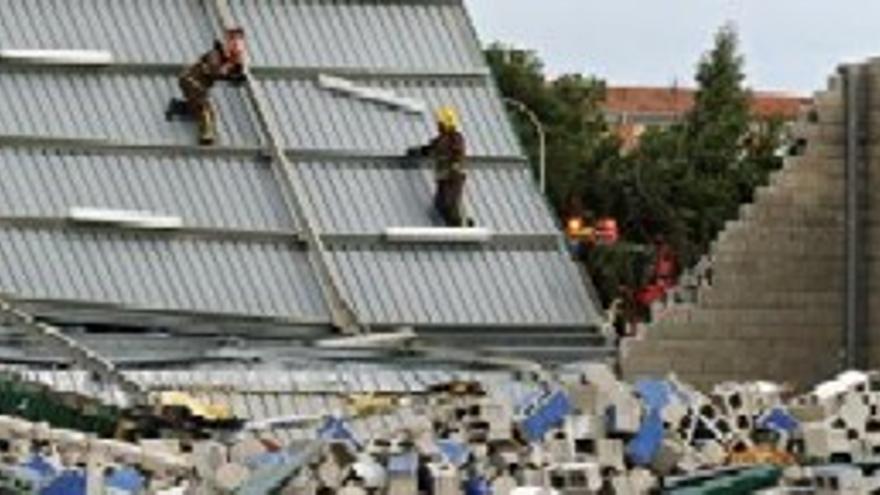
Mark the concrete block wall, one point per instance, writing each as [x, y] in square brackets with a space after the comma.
[774, 308]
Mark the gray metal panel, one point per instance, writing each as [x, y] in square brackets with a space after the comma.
[106, 105]
[205, 190]
[365, 197]
[314, 118]
[133, 30]
[445, 285]
[371, 34]
[160, 273]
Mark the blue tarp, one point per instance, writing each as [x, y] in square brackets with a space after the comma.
[644, 446]
[778, 419]
[337, 430]
[477, 486]
[41, 466]
[37, 470]
[655, 394]
[407, 464]
[456, 453]
[125, 479]
[546, 415]
[67, 483]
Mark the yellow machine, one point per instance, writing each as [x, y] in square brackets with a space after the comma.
[195, 407]
[369, 404]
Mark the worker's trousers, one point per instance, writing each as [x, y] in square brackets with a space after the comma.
[201, 108]
[448, 199]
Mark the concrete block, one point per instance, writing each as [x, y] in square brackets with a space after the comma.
[822, 441]
[669, 456]
[609, 453]
[585, 427]
[583, 396]
[582, 477]
[445, 479]
[230, 476]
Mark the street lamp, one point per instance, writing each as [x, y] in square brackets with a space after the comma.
[542, 151]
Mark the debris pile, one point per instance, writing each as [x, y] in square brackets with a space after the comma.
[583, 432]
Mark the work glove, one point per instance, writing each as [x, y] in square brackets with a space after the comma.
[237, 77]
[415, 152]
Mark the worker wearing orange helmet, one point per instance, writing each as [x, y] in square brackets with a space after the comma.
[225, 61]
[448, 151]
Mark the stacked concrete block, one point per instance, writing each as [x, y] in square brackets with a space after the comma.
[772, 307]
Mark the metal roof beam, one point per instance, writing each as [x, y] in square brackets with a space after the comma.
[524, 240]
[107, 146]
[531, 241]
[70, 348]
[476, 75]
[397, 159]
[95, 146]
[342, 313]
[186, 232]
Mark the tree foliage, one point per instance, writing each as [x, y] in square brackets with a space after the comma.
[682, 182]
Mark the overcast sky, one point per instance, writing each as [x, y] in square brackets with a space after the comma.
[790, 45]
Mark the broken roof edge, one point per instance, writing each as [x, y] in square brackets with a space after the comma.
[84, 313]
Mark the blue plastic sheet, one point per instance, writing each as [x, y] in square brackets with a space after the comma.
[38, 471]
[546, 415]
[407, 464]
[67, 483]
[655, 394]
[778, 419]
[41, 466]
[336, 429]
[477, 486]
[456, 453]
[126, 479]
[644, 446]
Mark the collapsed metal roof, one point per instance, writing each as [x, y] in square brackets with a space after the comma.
[97, 137]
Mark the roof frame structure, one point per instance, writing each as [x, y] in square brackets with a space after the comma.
[348, 258]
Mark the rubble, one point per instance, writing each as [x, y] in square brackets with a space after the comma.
[580, 433]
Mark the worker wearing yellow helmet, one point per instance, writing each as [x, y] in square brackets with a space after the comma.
[447, 150]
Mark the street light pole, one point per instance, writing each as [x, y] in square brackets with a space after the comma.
[542, 145]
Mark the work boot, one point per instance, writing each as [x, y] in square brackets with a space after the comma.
[207, 131]
[176, 108]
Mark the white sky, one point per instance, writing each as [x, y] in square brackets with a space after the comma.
[789, 45]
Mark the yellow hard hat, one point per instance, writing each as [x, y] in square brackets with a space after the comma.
[447, 117]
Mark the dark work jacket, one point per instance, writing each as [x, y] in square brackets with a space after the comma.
[210, 68]
[448, 152]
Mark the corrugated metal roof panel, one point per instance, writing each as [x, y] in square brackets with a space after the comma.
[164, 273]
[126, 108]
[205, 190]
[447, 285]
[314, 118]
[368, 196]
[133, 30]
[372, 34]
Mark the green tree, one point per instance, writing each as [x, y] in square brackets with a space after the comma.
[578, 142]
[720, 116]
[682, 182]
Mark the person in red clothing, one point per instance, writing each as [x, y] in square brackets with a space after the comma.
[663, 275]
